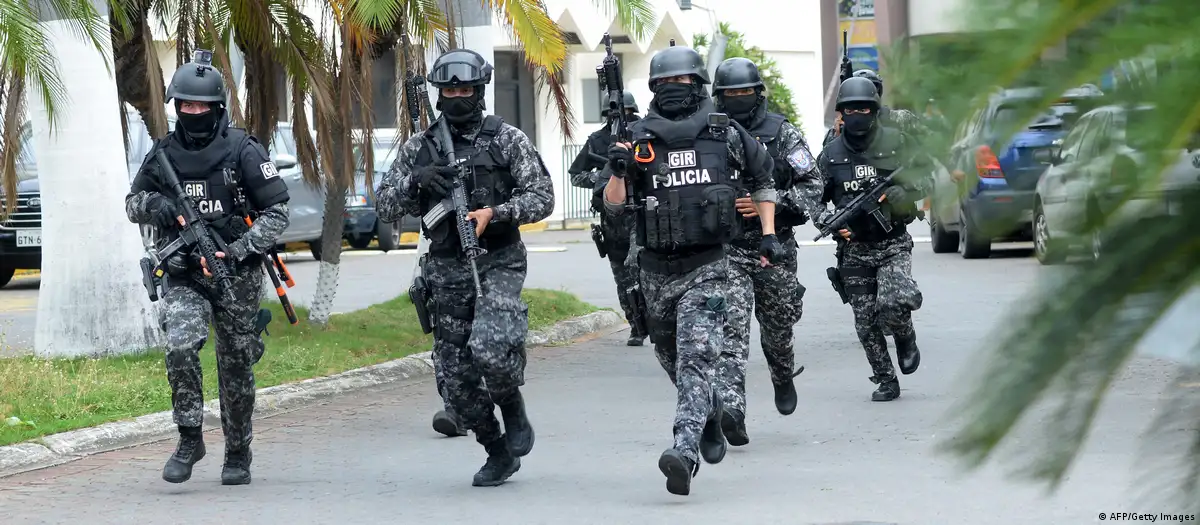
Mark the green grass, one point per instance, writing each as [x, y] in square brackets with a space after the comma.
[49, 396]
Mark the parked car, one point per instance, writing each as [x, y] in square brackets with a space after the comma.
[21, 233]
[362, 223]
[1093, 174]
[995, 201]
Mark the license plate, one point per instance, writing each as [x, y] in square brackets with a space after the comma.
[29, 238]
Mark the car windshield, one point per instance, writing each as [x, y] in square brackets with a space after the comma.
[1058, 116]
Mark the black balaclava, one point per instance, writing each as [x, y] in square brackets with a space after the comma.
[742, 108]
[675, 100]
[200, 129]
[857, 127]
[463, 112]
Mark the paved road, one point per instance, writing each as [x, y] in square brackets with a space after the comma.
[603, 415]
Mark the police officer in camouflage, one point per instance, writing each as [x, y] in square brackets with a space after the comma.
[902, 119]
[683, 168]
[773, 292]
[613, 233]
[229, 176]
[478, 343]
[875, 266]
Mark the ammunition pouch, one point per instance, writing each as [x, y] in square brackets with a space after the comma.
[683, 222]
[598, 238]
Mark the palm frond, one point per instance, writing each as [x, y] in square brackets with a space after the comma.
[636, 16]
[544, 47]
[10, 138]
[1073, 336]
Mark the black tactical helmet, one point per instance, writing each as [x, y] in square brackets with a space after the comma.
[460, 67]
[857, 89]
[675, 61]
[737, 73]
[198, 80]
[873, 77]
[627, 101]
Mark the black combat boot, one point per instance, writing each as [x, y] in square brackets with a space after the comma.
[712, 440]
[447, 424]
[733, 425]
[679, 471]
[516, 424]
[190, 450]
[887, 391]
[237, 467]
[908, 354]
[785, 394]
[501, 464]
[636, 340]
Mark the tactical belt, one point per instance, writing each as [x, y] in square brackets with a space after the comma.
[490, 242]
[783, 235]
[679, 264]
[862, 272]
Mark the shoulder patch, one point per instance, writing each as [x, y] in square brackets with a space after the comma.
[801, 160]
[269, 171]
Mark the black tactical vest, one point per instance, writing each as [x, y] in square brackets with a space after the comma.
[853, 173]
[767, 131]
[489, 183]
[687, 184]
[210, 176]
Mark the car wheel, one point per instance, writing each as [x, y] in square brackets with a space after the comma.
[1046, 249]
[6, 275]
[971, 243]
[315, 248]
[361, 241]
[389, 235]
[941, 240]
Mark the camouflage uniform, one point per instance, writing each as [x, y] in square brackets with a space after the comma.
[688, 313]
[773, 292]
[585, 173]
[191, 302]
[876, 266]
[479, 343]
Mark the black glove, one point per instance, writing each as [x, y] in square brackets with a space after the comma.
[619, 160]
[771, 249]
[163, 213]
[435, 180]
[896, 195]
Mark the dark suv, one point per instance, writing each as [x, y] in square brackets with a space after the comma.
[993, 175]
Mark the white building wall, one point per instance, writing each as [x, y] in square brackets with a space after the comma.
[791, 35]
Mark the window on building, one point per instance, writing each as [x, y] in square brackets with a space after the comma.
[593, 98]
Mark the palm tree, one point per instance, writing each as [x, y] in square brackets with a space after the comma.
[89, 304]
[1076, 333]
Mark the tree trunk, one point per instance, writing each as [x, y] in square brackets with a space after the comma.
[139, 76]
[332, 228]
[91, 301]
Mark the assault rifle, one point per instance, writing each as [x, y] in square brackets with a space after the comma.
[866, 203]
[847, 66]
[418, 291]
[609, 75]
[194, 234]
[457, 202]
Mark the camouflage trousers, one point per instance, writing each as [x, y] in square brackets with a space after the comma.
[479, 344]
[776, 297]
[188, 311]
[687, 315]
[883, 294]
[626, 277]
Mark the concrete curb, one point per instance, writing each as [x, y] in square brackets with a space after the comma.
[65, 447]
